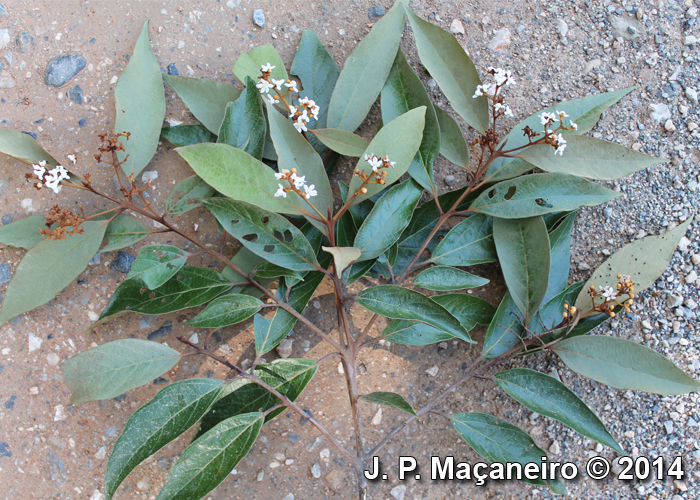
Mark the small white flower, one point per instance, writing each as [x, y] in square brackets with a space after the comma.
[304, 116]
[71, 158]
[607, 293]
[388, 162]
[292, 85]
[561, 145]
[310, 191]
[298, 180]
[271, 99]
[314, 111]
[264, 86]
[573, 125]
[281, 193]
[280, 175]
[293, 111]
[54, 178]
[278, 83]
[39, 171]
[546, 118]
[305, 101]
[562, 115]
[626, 277]
[300, 125]
[504, 107]
[502, 76]
[375, 163]
[267, 67]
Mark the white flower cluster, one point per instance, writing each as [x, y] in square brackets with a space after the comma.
[503, 77]
[299, 183]
[376, 163]
[53, 178]
[300, 113]
[550, 118]
[608, 293]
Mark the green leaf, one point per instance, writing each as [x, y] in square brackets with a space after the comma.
[497, 440]
[211, 458]
[623, 364]
[111, 369]
[317, 71]
[190, 192]
[414, 333]
[446, 278]
[643, 260]
[343, 257]
[548, 396]
[172, 411]
[23, 147]
[246, 261]
[540, 194]
[236, 174]
[398, 140]
[341, 141]
[244, 124]
[387, 220]
[186, 135]
[190, 287]
[589, 157]
[523, 251]
[266, 270]
[357, 271]
[226, 310]
[454, 72]
[403, 92]
[468, 243]
[505, 330]
[453, 146]
[288, 376]
[560, 257]
[139, 99]
[390, 399]
[24, 233]
[266, 234]
[396, 302]
[469, 310]
[206, 99]
[549, 314]
[123, 231]
[48, 267]
[585, 112]
[365, 72]
[249, 63]
[156, 264]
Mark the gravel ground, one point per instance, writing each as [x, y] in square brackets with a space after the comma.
[558, 50]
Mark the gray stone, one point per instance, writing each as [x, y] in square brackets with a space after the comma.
[673, 301]
[4, 447]
[122, 262]
[3, 10]
[259, 17]
[76, 94]
[6, 81]
[96, 259]
[164, 330]
[112, 431]
[172, 69]
[4, 38]
[7, 219]
[5, 274]
[24, 41]
[692, 95]
[375, 11]
[62, 68]
[316, 470]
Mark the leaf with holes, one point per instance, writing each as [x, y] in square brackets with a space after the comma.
[244, 125]
[24, 233]
[226, 310]
[139, 99]
[341, 141]
[623, 364]
[210, 459]
[414, 333]
[186, 135]
[249, 64]
[541, 194]
[266, 234]
[446, 278]
[402, 92]
[643, 260]
[170, 413]
[453, 146]
[111, 369]
[156, 264]
[387, 220]
[23, 147]
[505, 330]
[396, 302]
[390, 399]
[468, 243]
[190, 287]
[190, 192]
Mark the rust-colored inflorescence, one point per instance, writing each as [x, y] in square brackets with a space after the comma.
[65, 219]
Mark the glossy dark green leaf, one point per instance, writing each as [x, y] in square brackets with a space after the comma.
[446, 278]
[523, 252]
[288, 376]
[211, 458]
[249, 63]
[23, 147]
[414, 333]
[540, 194]
[206, 99]
[266, 234]
[453, 146]
[139, 99]
[623, 364]
[111, 369]
[186, 135]
[190, 287]
[123, 231]
[402, 92]
[317, 71]
[560, 257]
[387, 220]
[469, 310]
[454, 72]
[226, 310]
[156, 264]
[345, 231]
[468, 243]
[170, 413]
[390, 399]
[505, 330]
[643, 260]
[548, 396]
[341, 141]
[585, 112]
[190, 192]
[266, 270]
[365, 71]
[48, 267]
[357, 271]
[396, 302]
[244, 124]
[24, 233]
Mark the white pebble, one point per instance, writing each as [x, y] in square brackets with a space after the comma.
[60, 413]
[377, 419]
[101, 453]
[34, 342]
[432, 371]
[669, 126]
[399, 492]
[53, 359]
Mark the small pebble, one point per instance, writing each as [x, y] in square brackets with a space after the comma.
[62, 68]
[259, 17]
[377, 419]
[375, 11]
[316, 470]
